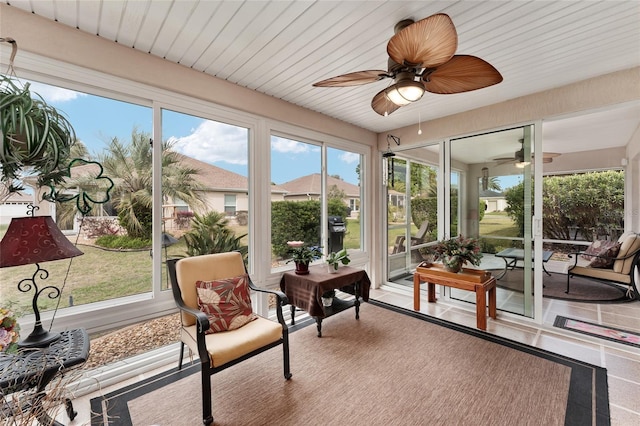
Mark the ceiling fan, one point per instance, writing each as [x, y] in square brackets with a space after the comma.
[421, 57]
[518, 157]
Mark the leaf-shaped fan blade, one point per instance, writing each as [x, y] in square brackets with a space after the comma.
[353, 79]
[382, 105]
[427, 43]
[462, 73]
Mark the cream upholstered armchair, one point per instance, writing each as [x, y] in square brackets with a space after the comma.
[615, 263]
[217, 321]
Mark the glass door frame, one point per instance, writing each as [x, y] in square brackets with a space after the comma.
[532, 228]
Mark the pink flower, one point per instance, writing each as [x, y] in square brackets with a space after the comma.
[295, 243]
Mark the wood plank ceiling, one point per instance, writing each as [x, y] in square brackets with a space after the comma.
[281, 47]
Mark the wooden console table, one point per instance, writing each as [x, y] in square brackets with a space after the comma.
[305, 291]
[476, 280]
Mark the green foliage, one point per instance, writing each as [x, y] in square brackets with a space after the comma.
[294, 221]
[589, 201]
[303, 253]
[457, 251]
[300, 221]
[34, 136]
[136, 220]
[340, 257]
[210, 234]
[123, 242]
[337, 207]
[482, 208]
[427, 209]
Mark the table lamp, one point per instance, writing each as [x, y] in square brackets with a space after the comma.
[32, 240]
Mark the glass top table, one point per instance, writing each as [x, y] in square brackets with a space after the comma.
[511, 256]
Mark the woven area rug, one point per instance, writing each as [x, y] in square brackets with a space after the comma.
[391, 367]
[604, 332]
[581, 289]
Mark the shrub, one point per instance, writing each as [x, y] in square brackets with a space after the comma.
[123, 242]
[210, 234]
[94, 226]
[294, 221]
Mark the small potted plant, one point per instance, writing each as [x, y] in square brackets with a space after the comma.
[456, 252]
[327, 298]
[302, 255]
[9, 331]
[335, 259]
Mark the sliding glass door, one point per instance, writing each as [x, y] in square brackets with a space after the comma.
[412, 209]
[491, 198]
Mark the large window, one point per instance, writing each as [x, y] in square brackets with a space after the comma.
[296, 195]
[189, 175]
[116, 134]
[302, 195]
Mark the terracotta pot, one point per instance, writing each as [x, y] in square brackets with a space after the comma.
[302, 268]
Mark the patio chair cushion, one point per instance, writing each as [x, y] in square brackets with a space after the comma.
[630, 244]
[227, 303]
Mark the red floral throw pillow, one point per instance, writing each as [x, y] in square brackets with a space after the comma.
[606, 256]
[227, 303]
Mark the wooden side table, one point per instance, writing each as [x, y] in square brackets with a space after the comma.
[305, 291]
[479, 281]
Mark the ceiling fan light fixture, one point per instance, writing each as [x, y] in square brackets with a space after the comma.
[405, 91]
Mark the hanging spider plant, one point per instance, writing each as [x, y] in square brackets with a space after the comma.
[35, 136]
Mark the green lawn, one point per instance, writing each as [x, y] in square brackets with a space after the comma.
[497, 224]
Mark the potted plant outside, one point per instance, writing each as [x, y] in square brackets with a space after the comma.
[302, 255]
[34, 135]
[335, 259]
[456, 252]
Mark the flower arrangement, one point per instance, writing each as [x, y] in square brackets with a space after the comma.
[335, 259]
[456, 252]
[300, 253]
[9, 331]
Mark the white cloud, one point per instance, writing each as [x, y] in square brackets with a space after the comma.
[288, 146]
[54, 94]
[349, 157]
[212, 142]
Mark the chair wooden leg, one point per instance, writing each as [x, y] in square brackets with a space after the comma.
[181, 355]
[207, 417]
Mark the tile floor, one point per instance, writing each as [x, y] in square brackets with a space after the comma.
[622, 361]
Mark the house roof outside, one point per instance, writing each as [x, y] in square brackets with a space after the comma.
[218, 179]
[311, 185]
[212, 177]
[491, 194]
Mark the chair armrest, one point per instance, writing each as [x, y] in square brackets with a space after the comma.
[282, 298]
[201, 318]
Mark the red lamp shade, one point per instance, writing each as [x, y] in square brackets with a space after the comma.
[33, 240]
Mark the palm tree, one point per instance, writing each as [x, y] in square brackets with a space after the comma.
[130, 167]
